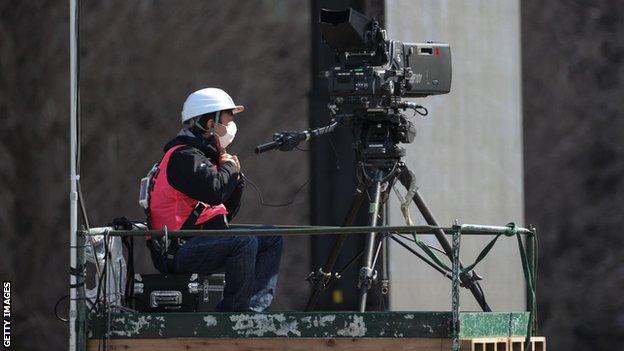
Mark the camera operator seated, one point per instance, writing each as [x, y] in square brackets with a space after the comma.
[199, 186]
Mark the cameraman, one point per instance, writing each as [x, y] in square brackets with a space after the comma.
[199, 186]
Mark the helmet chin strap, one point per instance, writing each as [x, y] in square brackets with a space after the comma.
[205, 130]
[217, 117]
[194, 123]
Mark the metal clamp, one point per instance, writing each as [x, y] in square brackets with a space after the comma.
[366, 278]
[321, 277]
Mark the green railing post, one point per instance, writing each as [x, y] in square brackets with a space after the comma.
[531, 250]
[455, 286]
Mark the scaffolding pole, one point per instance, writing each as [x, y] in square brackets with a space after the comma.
[77, 337]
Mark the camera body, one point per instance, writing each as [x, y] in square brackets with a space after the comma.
[374, 74]
[415, 70]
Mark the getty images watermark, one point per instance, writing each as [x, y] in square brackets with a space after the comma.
[6, 314]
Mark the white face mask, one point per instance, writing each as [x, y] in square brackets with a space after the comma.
[230, 133]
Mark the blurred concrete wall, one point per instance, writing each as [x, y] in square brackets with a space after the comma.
[467, 156]
[139, 61]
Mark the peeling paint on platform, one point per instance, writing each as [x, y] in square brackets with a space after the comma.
[356, 328]
[318, 321]
[302, 324]
[162, 325]
[211, 321]
[134, 327]
[264, 325]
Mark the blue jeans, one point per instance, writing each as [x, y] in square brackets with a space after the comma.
[251, 265]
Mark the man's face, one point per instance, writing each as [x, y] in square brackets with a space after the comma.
[225, 117]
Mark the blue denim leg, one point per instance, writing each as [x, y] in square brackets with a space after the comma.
[234, 255]
[267, 266]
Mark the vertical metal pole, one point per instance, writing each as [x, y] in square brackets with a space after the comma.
[73, 195]
[531, 252]
[455, 286]
[385, 272]
[385, 259]
[366, 272]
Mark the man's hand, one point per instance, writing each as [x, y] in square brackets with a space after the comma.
[225, 157]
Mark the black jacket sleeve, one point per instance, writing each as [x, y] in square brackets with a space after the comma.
[191, 172]
[233, 202]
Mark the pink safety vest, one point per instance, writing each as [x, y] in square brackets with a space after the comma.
[170, 207]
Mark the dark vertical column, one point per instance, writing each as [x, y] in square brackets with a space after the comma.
[332, 168]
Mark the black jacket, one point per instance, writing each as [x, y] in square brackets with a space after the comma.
[193, 170]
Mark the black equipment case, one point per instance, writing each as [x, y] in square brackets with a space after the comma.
[177, 292]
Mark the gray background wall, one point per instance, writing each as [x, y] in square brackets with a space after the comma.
[139, 61]
[467, 156]
[573, 84]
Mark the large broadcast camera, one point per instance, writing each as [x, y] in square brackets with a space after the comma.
[374, 74]
[368, 83]
[366, 89]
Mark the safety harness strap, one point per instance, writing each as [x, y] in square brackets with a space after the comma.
[175, 244]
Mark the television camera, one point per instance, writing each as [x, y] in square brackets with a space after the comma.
[368, 84]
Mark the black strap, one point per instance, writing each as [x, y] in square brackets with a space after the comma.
[169, 261]
[174, 245]
[157, 248]
[192, 218]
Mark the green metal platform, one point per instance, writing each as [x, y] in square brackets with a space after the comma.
[306, 325]
[361, 331]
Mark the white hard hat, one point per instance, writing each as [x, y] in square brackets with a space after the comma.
[206, 101]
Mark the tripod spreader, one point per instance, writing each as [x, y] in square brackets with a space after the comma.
[286, 141]
[469, 280]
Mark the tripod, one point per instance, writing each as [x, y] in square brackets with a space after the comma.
[377, 177]
[379, 167]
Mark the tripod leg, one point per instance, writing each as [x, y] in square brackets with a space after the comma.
[385, 276]
[405, 177]
[324, 274]
[366, 272]
[385, 247]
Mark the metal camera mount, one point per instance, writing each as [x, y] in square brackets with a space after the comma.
[379, 166]
[366, 87]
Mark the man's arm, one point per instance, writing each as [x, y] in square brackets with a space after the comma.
[192, 173]
[233, 202]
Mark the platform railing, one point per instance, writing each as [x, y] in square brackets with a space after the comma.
[527, 250]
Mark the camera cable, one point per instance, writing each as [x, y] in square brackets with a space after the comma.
[266, 204]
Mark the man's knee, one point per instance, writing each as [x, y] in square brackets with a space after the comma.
[246, 244]
[271, 243]
[277, 241]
